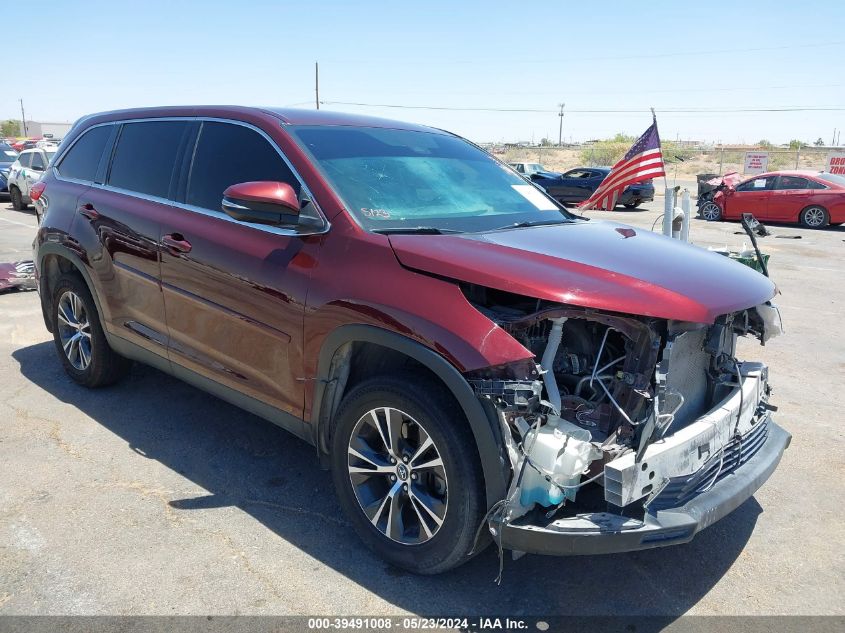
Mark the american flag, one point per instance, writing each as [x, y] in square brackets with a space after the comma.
[642, 162]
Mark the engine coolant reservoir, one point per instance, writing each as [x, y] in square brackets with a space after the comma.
[564, 450]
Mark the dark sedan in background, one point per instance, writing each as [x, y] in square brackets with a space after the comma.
[576, 185]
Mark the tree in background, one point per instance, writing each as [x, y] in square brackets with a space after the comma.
[796, 144]
[608, 151]
[10, 128]
[819, 142]
[764, 144]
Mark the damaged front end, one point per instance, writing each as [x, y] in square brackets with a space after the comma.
[630, 432]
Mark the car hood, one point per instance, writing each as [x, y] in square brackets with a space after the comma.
[601, 265]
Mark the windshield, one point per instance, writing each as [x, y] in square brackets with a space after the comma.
[404, 179]
[50, 155]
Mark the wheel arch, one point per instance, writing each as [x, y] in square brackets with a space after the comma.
[54, 260]
[381, 348]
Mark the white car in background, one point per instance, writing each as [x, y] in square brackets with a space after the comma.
[531, 169]
[26, 171]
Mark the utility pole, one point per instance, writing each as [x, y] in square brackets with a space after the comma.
[317, 84]
[560, 129]
[833, 140]
[23, 119]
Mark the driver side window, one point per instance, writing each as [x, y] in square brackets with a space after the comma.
[757, 184]
[578, 173]
[227, 154]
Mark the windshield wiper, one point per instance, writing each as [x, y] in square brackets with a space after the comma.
[414, 230]
[527, 223]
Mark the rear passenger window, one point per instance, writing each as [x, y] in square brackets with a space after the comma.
[83, 158]
[792, 182]
[228, 154]
[812, 184]
[145, 155]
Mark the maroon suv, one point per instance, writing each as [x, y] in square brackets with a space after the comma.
[461, 350]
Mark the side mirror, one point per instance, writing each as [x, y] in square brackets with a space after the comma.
[262, 202]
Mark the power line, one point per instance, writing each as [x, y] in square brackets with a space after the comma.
[590, 111]
[649, 91]
[498, 60]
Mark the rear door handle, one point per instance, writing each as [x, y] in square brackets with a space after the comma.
[88, 211]
[176, 242]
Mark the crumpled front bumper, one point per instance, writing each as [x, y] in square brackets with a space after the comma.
[606, 533]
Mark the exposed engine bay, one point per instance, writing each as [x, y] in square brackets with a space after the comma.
[616, 409]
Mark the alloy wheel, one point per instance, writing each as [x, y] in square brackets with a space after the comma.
[74, 330]
[397, 475]
[814, 217]
[711, 212]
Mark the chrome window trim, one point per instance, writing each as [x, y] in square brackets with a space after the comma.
[220, 215]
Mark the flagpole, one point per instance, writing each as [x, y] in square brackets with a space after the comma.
[654, 120]
[668, 197]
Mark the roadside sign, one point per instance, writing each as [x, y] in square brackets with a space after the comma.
[836, 163]
[756, 162]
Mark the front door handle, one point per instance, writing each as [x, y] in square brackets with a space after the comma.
[176, 243]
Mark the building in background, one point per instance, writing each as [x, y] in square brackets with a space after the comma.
[36, 129]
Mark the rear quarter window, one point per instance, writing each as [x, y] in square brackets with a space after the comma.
[145, 156]
[83, 159]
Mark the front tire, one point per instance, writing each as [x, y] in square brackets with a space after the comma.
[631, 205]
[80, 341]
[711, 212]
[407, 473]
[17, 199]
[814, 217]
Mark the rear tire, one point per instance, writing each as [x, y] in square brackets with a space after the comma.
[80, 341]
[814, 217]
[17, 199]
[418, 516]
[631, 205]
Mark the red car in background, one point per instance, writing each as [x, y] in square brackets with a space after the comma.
[21, 145]
[814, 199]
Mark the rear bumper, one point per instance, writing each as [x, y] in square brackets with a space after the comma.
[607, 533]
[632, 196]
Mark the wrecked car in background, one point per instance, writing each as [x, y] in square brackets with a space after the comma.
[17, 275]
[462, 351]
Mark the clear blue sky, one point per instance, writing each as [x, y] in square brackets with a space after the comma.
[101, 55]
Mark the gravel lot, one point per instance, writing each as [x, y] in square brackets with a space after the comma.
[152, 497]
